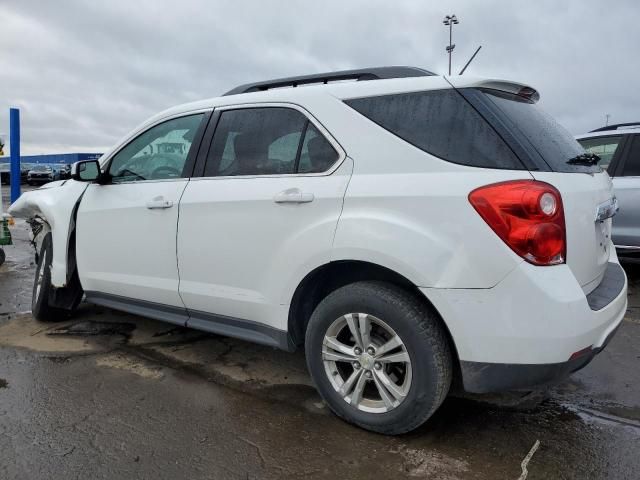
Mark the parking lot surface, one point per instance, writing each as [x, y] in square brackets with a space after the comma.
[112, 395]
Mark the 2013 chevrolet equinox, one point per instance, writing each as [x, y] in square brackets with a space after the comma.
[401, 226]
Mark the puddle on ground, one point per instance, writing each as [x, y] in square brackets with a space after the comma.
[431, 464]
[130, 364]
[93, 328]
[3, 383]
[23, 331]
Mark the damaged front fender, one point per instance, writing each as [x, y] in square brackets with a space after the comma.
[53, 206]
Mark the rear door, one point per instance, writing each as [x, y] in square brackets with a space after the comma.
[264, 211]
[126, 228]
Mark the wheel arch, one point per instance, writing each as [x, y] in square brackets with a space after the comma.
[55, 208]
[326, 278]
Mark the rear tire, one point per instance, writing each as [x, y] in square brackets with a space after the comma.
[419, 366]
[3, 257]
[44, 294]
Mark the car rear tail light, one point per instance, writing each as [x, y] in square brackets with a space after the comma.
[528, 216]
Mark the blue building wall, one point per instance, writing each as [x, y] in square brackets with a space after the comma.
[55, 159]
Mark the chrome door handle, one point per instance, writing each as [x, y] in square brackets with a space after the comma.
[158, 203]
[293, 195]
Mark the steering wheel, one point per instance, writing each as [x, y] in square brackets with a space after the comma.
[165, 171]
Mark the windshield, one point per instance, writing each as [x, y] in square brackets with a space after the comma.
[41, 168]
[550, 139]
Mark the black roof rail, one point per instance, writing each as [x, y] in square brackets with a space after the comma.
[377, 73]
[616, 126]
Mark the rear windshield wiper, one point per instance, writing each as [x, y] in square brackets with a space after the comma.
[584, 159]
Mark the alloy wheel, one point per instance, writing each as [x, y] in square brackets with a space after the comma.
[366, 362]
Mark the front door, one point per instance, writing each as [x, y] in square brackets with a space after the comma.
[126, 228]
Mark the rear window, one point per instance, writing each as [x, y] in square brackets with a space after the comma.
[442, 123]
[546, 136]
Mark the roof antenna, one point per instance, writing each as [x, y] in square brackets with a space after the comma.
[470, 60]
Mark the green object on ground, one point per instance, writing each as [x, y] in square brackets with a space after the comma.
[5, 234]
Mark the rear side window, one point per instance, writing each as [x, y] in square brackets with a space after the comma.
[441, 123]
[604, 147]
[267, 141]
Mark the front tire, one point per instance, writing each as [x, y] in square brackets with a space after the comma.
[43, 306]
[379, 357]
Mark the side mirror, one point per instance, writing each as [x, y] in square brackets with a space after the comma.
[85, 171]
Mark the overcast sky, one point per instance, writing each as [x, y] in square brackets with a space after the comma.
[84, 73]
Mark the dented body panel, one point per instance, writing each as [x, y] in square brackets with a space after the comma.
[53, 205]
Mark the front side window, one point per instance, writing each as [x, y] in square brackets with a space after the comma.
[442, 123]
[604, 147]
[267, 141]
[158, 153]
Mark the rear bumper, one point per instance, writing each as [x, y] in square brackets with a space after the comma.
[526, 330]
[481, 377]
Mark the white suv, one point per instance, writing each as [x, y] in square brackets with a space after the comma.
[408, 230]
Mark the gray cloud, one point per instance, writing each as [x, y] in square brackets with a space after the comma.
[85, 73]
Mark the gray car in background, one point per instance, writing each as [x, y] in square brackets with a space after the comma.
[618, 147]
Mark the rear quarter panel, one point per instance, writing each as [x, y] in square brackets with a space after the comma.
[408, 211]
[423, 227]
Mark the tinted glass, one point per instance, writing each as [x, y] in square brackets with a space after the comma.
[158, 153]
[255, 141]
[551, 140]
[604, 147]
[442, 123]
[632, 162]
[317, 155]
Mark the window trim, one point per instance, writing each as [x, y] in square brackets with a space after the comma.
[629, 140]
[210, 134]
[190, 161]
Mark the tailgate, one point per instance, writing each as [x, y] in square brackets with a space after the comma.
[588, 240]
[552, 155]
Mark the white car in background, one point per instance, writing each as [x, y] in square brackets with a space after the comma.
[40, 174]
[618, 147]
[407, 230]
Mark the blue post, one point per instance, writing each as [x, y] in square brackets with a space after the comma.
[14, 141]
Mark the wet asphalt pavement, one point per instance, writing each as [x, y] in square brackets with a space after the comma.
[111, 395]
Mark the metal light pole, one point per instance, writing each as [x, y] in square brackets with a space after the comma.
[450, 21]
[607, 121]
[14, 142]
